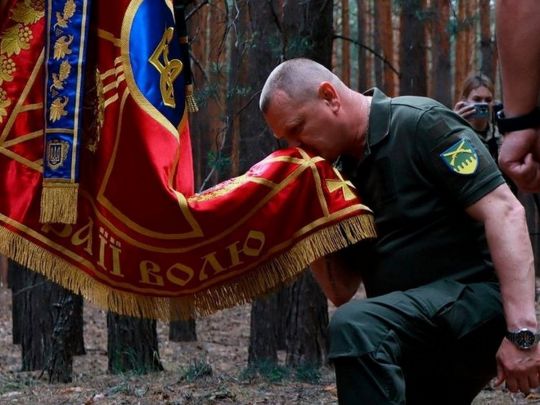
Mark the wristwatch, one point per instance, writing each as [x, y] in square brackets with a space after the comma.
[530, 120]
[524, 339]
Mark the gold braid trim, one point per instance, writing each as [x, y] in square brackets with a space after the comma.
[191, 103]
[59, 203]
[267, 278]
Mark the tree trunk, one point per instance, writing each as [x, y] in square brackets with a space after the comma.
[16, 277]
[229, 139]
[263, 339]
[463, 51]
[132, 345]
[307, 340]
[370, 33]
[36, 326]
[217, 73]
[3, 271]
[64, 342]
[472, 19]
[50, 321]
[199, 122]
[257, 55]
[345, 44]
[362, 56]
[487, 44]
[440, 53]
[413, 50]
[183, 331]
[378, 63]
[384, 14]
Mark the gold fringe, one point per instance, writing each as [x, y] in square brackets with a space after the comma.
[190, 99]
[59, 203]
[275, 273]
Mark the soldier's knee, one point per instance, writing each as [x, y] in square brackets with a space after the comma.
[351, 329]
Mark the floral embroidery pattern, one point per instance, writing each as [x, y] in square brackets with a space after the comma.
[4, 104]
[62, 20]
[14, 40]
[61, 49]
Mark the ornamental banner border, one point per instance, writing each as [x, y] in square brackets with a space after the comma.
[284, 267]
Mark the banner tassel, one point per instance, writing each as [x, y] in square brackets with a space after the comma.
[59, 203]
[190, 99]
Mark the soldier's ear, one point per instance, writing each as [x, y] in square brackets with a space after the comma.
[327, 93]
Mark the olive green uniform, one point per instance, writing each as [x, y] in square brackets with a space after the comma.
[429, 331]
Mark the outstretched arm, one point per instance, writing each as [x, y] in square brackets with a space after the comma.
[503, 217]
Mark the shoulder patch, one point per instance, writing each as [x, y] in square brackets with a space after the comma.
[461, 157]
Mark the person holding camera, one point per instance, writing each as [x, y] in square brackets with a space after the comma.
[476, 106]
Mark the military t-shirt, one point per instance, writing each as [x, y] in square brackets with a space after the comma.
[422, 166]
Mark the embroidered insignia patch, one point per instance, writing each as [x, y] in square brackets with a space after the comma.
[461, 157]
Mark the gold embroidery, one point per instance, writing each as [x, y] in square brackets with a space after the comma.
[62, 20]
[15, 39]
[345, 186]
[57, 152]
[7, 68]
[169, 70]
[341, 184]
[57, 111]
[4, 104]
[219, 190]
[60, 77]
[61, 47]
[92, 143]
[28, 12]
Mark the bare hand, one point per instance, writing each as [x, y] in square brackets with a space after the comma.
[519, 158]
[464, 109]
[519, 368]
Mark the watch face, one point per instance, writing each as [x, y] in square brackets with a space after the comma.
[525, 339]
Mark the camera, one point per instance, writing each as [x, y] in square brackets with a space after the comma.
[481, 110]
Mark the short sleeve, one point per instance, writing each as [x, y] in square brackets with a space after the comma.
[454, 158]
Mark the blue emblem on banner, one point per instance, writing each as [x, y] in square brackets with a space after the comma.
[155, 57]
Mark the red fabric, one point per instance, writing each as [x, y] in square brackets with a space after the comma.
[139, 229]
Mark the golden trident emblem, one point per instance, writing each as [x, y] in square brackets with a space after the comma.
[168, 69]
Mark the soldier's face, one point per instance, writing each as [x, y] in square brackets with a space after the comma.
[310, 125]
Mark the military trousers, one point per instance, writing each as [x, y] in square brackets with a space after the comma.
[435, 344]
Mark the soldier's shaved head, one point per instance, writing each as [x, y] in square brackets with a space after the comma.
[299, 79]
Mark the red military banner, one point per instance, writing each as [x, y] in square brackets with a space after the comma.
[144, 245]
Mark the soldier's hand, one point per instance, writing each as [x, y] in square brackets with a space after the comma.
[519, 368]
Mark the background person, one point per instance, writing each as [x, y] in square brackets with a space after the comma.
[478, 88]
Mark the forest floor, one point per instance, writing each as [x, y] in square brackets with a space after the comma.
[209, 371]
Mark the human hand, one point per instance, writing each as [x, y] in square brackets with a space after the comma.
[519, 158]
[519, 368]
[464, 109]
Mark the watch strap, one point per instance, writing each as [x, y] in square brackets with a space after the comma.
[530, 120]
